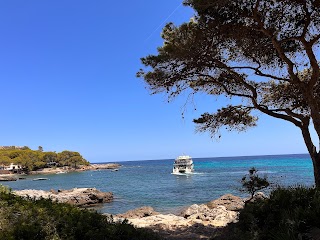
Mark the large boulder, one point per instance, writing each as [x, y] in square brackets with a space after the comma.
[231, 202]
[75, 196]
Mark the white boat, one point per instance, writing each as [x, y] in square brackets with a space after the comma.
[183, 164]
[39, 179]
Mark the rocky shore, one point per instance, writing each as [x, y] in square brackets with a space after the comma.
[8, 177]
[195, 222]
[198, 221]
[76, 196]
[80, 169]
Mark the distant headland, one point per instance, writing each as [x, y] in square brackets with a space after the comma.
[23, 160]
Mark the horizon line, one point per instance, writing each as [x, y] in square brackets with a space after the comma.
[264, 155]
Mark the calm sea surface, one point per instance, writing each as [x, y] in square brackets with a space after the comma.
[150, 183]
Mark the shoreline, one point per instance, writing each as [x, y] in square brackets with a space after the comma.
[80, 169]
[59, 170]
[198, 221]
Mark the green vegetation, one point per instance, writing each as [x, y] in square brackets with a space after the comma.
[262, 55]
[44, 219]
[31, 160]
[252, 182]
[289, 214]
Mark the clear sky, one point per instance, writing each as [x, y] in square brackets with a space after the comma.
[67, 71]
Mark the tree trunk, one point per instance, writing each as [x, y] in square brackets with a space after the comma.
[315, 156]
[316, 168]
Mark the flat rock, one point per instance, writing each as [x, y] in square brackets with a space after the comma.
[75, 196]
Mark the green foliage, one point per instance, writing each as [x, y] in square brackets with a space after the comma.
[252, 182]
[68, 158]
[262, 54]
[44, 219]
[33, 160]
[4, 189]
[289, 213]
[246, 50]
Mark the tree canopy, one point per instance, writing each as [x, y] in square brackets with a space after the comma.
[33, 160]
[263, 52]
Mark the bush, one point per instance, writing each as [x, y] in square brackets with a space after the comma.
[44, 219]
[289, 213]
[252, 182]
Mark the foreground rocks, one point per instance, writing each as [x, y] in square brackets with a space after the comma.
[75, 196]
[195, 222]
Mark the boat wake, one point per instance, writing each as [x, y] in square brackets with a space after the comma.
[188, 174]
[183, 174]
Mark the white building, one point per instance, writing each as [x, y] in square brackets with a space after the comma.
[13, 167]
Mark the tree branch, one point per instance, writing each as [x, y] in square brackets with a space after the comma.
[276, 45]
[308, 20]
[262, 74]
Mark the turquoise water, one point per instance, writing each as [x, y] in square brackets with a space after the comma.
[150, 183]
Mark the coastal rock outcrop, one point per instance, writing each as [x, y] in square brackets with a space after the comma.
[66, 169]
[195, 222]
[231, 202]
[8, 178]
[75, 196]
[218, 216]
[138, 213]
[104, 166]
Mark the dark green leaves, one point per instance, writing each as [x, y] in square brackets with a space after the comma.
[233, 117]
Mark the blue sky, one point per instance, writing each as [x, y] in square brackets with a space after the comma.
[67, 71]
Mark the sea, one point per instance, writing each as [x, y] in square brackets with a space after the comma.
[151, 183]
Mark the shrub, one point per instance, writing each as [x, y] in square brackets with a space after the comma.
[252, 182]
[44, 219]
[289, 213]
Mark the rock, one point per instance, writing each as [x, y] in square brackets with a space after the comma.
[259, 195]
[196, 222]
[8, 178]
[218, 216]
[231, 202]
[53, 191]
[195, 215]
[196, 211]
[75, 196]
[103, 166]
[138, 213]
[224, 217]
[165, 221]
